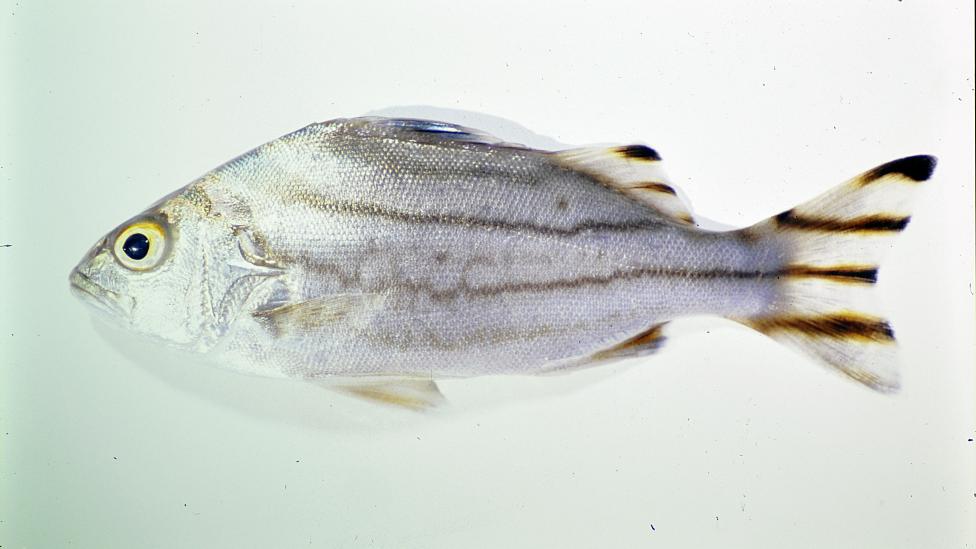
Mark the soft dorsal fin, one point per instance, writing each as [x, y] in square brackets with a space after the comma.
[634, 170]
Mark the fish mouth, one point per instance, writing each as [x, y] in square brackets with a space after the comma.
[107, 301]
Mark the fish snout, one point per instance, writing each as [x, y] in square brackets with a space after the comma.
[81, 285]
[80, 276]
[83, 282]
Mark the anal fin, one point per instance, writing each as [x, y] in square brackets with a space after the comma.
[644, 343]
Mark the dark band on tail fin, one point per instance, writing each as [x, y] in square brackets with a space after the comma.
[859, 274]
[917, 168]
[865, 224]
[843, 325]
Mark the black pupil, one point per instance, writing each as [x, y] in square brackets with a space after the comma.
[136, 246]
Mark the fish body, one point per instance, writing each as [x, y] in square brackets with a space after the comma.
[413, 250]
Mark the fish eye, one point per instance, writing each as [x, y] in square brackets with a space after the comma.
[141, 245]
[136, 246]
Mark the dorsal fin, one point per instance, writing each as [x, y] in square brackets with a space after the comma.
[424, 131]
[634, 170]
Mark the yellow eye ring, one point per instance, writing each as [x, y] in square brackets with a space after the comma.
[141, 246]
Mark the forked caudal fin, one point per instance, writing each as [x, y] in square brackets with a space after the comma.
[833, 246]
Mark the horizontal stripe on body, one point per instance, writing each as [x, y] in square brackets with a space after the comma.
[839, 274]
[460, 220]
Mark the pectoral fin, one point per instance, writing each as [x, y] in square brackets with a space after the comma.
[410, 393]
[307, 316]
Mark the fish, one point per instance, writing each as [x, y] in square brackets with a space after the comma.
[377, 256]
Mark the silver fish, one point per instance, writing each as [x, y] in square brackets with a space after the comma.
[382, 254]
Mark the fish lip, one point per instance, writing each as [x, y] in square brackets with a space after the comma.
[84, 288]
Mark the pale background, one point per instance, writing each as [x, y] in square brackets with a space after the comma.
[724, 439]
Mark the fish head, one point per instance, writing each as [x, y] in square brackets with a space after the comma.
[154, 274]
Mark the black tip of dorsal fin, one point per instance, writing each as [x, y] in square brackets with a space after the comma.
[917, 168]
[640, 152]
